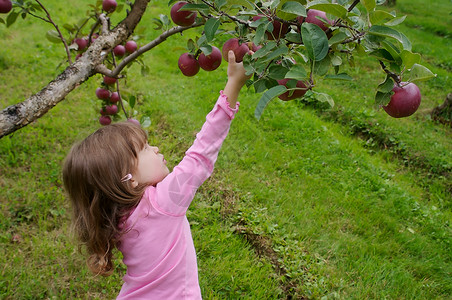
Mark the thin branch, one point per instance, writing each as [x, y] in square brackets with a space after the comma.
[117, 90]
[105, 23]
[58, 30]
[391, 74]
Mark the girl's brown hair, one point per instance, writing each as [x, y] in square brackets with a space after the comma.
[92, 174]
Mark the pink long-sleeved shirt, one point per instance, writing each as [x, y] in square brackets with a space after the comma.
[158, 247]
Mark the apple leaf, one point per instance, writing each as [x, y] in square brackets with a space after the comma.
[337, 38]
[340, 76]
[295, 8]
[379, 30]
[53, 36]
[382, 99]
[321, 67]
[369, 4]
[193, 6]
[409, 58]
[297, 72]
[380, 16]
[420, 73]
[315, 41]
[330, 8]
[206, 49]
[145, 122]
[267, 97]
[322, 97]
[386, 86]
[277, 72]
[210, 28]
[393, 50]
[396, 21]
[266, 49]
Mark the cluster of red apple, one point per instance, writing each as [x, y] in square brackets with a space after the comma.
[105, 93]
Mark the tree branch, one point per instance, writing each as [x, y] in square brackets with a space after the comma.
[21, 114]
[127, 60]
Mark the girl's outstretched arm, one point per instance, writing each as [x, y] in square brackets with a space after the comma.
[236, 79]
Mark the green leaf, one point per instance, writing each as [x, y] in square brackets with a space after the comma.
[369, 4]
[210, 28]
[409, 58]
[192, 7]
[420, 73]
[277, 71]
[295, 8]
[395, 21]
[382, 54]
[266, 49]
[382, 99]
[330, 8]
[297, 72]
[315, 40]
[379, 30]
[321, 67]
[220, 3]
[145, 122]
[380, 16]
[260, 32]
[393, 50]
[322, 97]
[206, 49]
[281, 50]
[337, 38]
[340, 76]
[53, 36]
[267, 97]
[386, 86]
[12, 17]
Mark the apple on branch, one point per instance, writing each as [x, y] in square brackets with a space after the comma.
[131, 46]
[212, 61]
[311, 17]
[109, 5]
[5, 6]
[299, 92]
[239, 49]
[183, 17]
[188, 64]
[405, 101]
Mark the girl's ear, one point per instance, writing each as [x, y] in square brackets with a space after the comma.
[134, 183]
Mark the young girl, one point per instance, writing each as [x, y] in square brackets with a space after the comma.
[124, 196]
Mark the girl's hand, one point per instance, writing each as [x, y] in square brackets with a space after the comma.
[236, 79]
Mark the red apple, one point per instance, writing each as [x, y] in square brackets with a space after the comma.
[102, 94]
[239, 49]
[134, 121]
[81, 43]
[109, 5]
[114, 97]
[119, 50]
[188, 64]
[296, 93]
[109, 80]
[5, 6]
[131, 46]
[111, 109]
[212, 61]
[104, 120]
[184, 17]
[311, 18]
[405, 100]
[279, 30]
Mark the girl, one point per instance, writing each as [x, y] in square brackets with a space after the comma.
[124, 196]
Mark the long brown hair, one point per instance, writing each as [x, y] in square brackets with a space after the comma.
[92, 174]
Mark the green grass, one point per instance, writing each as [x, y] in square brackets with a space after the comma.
[307, 202]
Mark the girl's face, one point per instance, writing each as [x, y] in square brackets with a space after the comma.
[151, 166]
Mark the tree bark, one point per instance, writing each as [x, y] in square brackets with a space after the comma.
[21, 114]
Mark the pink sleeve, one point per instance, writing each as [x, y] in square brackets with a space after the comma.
[175, 193]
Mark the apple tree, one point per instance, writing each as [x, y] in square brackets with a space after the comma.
[286, 45]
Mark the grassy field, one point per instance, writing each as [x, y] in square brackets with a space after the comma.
[309, 202]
